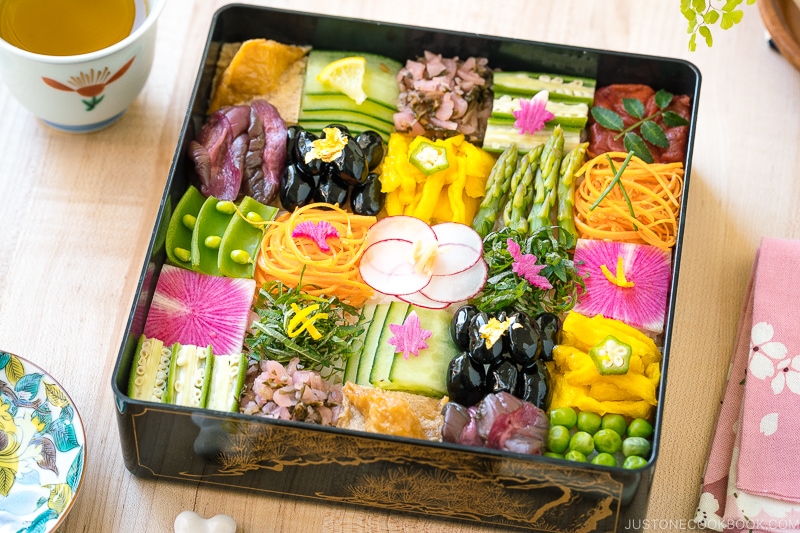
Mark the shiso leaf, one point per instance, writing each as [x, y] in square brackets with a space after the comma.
[643, 305]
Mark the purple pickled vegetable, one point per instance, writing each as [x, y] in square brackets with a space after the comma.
[266, 152]
[219, 151]
[500, 421]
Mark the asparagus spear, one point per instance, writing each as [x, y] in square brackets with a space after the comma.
[521, 192]
[566, 187]
[496, 189]
[545, 181]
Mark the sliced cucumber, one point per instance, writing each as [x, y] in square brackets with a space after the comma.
[380, 82]
[242, 235]
[426, 373]
[565, 88]
[227, 380]
[382, 366]
[329, 116]
[500, 136]
[150, 371]
[351, 368]
[371, 344]
[340, 102]
[566, 114]
[189, 375]
[355, 128]
[212, 220]
[181, 227]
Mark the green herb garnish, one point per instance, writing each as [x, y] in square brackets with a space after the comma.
[339, 325]
[505, 290]
[650, 130]
[702, 15]
[617, 180]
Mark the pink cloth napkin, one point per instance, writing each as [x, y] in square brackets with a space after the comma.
[752, 477]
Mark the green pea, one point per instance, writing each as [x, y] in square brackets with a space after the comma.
[226, 206]
[607, 441]
[240, 256]
[558, 439]
[252, 216]
[635, 446]
[182, 254]
[575, 455]
[213, 242]
[615, 422]
[581, 442]
[634, 461]
[605, 459]
[589, 422]
[189, 220]
[554, 455]
[563, 416]
[639, 427]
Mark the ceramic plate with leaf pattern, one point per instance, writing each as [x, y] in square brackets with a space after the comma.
[42, 448]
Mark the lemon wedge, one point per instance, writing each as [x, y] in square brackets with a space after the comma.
[346, 75]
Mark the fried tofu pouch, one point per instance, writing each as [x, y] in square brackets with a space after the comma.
[391, 413]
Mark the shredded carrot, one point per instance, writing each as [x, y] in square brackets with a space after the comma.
[654, 191]
[333, 272]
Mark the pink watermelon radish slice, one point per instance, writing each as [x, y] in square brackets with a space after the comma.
[194, 308]
[626, 281]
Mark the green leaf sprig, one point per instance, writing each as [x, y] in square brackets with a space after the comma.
[650, 130]
[339, 324]
[506, 290]
[703, 14]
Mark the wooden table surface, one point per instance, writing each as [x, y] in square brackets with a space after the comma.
[76, 214]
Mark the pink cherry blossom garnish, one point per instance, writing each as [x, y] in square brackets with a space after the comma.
[409, 337]
[525, 266]
[533, 114]
[317, 232]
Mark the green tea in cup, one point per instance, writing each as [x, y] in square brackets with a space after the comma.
[65, 28]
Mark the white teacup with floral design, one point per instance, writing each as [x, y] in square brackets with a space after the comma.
[87, 92]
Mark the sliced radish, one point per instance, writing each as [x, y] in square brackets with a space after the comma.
[453, 258]
[453, 232]
[386, 266]
[420, 300]
[399, 227]
[193, 308]
[457, 287]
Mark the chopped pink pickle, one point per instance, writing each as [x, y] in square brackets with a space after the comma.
[624, 281]
[409, 337]
[525, 266]
[533, 114]
[318, 232]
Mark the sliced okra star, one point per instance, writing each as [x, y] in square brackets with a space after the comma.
[428, 157]
[181, 227]
[611, 356]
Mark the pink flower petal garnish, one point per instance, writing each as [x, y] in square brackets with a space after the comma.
[525, 266]
[533, 113]
[317, 232]
[409, 337]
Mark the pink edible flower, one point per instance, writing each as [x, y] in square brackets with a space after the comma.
[525, 266]
[317, 232]
[409, 337]
[532, 114]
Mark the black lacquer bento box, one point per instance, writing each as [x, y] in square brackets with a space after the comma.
[442, 480]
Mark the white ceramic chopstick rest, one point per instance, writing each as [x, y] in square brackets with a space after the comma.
[191, 522]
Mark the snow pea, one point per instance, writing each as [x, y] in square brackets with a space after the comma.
[213, 218]
[181, 227]
[242, 237]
